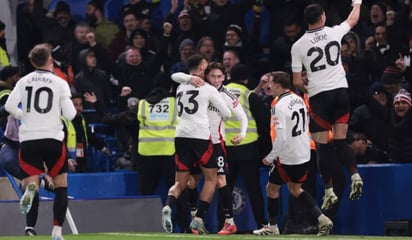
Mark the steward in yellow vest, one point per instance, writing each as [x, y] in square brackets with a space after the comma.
[157, 116]
[245, 158]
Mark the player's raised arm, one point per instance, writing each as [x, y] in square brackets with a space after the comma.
[181, 77]
[353, 17]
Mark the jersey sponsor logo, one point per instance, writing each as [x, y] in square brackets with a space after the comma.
[212, 108]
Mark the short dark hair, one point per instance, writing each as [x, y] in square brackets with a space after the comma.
[194, 61]
[312, 13]
[282, 78]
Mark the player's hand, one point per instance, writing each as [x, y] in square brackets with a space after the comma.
[72, 165]
[356, 2]
[266, 162]
[197, 81]
[237, 139]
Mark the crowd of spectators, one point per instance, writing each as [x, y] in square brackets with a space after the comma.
[117, 59]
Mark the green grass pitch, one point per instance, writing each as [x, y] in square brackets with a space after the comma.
[165, 236]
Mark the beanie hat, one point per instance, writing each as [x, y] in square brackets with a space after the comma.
[239, 72]
[377, 87]
[138, 31]
[162, 80]
[391, 75]
[185, 42]
[61, 7]
[236, 28]
[403, 95]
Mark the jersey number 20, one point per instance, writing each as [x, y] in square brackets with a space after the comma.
[316, 64]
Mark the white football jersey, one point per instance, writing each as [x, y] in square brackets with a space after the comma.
[319, 51]
[44, 97]
[217, 125]
[291, 120]
[193, 107]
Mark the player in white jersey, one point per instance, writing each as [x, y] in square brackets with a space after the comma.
[43, 97]
[290, 154]
[318, 50]
[214, 74]
[192, 143]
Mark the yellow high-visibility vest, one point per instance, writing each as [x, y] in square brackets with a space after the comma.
[70, 137]
[233, 124]
[157, 126]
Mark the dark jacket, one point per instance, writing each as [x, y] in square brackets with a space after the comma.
[400, 138]
[372, 119]
[93, 80]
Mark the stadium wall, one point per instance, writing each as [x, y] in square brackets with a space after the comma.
[386, 197]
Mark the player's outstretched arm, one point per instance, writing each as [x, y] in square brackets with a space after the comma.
[353, 17]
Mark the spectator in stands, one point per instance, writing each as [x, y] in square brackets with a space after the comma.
[186, 28]
[122, 38]
[61, 64]
[224, 13]
[95, 81]
[280, 50]
[392, 80]
[138, 7]
[243, 158]
[400, 128]
[404, 64]
[57, 28]
[365, 152]
[186, 49]
[79, 43]
[230, 58]
[4, 56]
[153, 34]
[135, 75]
[8, 79]
[138, 39]
[104, 29]
[246, 44]
[84, 135]
[381, 55]
[206, 47]
[377, 16]
[372, 115]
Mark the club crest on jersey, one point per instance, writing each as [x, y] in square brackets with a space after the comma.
[275, 120]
